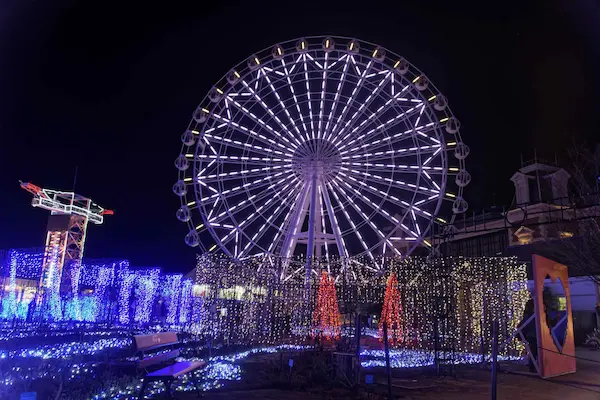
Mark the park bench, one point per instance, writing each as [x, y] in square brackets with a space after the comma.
[158, 349]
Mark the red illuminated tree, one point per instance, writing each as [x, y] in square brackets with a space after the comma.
[392, 312]
[326, 320]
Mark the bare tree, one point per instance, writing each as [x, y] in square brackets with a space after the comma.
[581, 252]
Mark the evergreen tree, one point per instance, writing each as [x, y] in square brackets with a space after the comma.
[392, 312]
[326, 320]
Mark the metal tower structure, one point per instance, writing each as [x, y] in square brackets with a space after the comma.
[70, 214]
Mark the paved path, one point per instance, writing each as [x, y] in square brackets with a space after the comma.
[473, 383]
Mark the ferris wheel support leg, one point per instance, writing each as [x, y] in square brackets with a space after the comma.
[310, 249]
[334, 225]
[295, 224]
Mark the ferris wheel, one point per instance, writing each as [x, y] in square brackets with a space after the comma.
[320, 146]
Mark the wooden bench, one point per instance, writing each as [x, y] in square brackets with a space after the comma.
[165, 344]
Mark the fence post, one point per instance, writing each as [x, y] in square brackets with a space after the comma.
[387, 360]
[436, 346]
[358, 329]
[494, 358]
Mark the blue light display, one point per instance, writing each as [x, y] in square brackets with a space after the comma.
[107, 291]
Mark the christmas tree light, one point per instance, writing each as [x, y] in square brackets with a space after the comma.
[392, 312]
[326, 317]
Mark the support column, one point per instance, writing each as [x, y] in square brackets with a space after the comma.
[334, 226]
[310, 250]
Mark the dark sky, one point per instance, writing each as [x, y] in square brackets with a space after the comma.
[110, 87]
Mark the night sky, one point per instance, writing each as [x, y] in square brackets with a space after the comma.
[110, 88]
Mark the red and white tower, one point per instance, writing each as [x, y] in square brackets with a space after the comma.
[70, 214]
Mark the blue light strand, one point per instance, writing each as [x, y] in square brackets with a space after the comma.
[405, 358]
[146, 290]
[127, 279]
[185, 301]
[86, 332]
[103, 279]
[11, 306]
[218, 370]
[67, 350]
[171, 294]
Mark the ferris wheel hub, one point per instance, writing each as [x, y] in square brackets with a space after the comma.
[317, 157]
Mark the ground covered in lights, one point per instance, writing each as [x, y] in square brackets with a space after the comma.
[78, 368]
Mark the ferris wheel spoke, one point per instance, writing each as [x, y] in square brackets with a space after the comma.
[430, 138]
[351, 221]
[390, 198]
[239, 160]
[342, 58]
[388, 124]
[254, 201]
[258, 120]
[258, 183]
[242, 174]
[438, 151]
[402, 117]
[285, 110]
[251, 200]
[390, 155]
[370, 223]
[291, 86]
[285, 222]
[428, 200]
[383, 108]
[387, 141]
[321, 104]
[409, 187]
[364, 106]
[396, 222]
[263, 229]
[381, 194]
[269, 111]
[209, 144]
[334, 132]
[336, 99]
[246, 146]
[270, 202]
[431, 180]
[341, 245]
[391, 168]
[318, 64]
[310, 112]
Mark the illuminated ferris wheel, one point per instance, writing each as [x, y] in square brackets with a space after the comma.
[320, 146]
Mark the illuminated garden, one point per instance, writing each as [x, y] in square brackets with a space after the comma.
[312, 180]
[241, 309]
